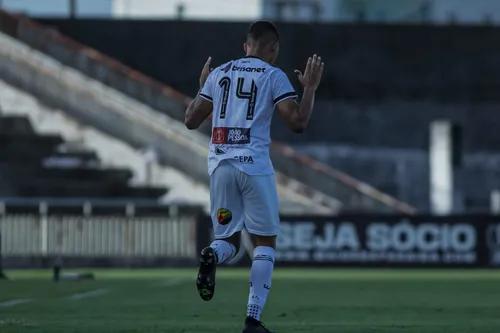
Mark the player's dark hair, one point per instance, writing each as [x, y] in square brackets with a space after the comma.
[263, 31]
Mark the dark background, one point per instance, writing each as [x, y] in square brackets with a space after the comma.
[382, 86]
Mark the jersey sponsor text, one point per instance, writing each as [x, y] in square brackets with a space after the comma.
[230, 135]
[249, 69]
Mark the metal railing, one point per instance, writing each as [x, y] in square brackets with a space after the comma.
[84, 231]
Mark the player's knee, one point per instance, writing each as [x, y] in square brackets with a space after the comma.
[237, 247]
[269, 241]
[234, 239]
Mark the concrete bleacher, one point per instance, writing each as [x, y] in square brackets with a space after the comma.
[87, 150]
[25, 173]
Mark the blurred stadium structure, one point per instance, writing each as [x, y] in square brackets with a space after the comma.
[97, 167]
[384, 11]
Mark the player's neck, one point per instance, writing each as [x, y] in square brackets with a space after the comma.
[256, 55]
[253, 56]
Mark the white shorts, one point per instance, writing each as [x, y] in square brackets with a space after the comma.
[239, 200]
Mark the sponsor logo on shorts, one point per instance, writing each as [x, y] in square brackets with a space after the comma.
[224, 216]
[231, 135]
[244, 159]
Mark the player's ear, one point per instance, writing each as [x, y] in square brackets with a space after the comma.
[245, 47]
[276, 47]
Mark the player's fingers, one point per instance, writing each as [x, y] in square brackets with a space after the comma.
[207, 64]
[314, 65]
[320, 72]
[308, 66]
[318, 63]
[300, 76]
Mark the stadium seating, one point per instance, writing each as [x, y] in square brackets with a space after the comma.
[33, 165]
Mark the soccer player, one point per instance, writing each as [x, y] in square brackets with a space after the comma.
[241, 95]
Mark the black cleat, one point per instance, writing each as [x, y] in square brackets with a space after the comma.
[206, 275]
[254, 326]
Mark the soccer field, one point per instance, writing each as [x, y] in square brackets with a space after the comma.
[321, 301]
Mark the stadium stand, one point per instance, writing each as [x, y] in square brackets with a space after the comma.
[310, 185]
[86, 145]
[34, 165]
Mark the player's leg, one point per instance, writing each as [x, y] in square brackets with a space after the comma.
[226, 249]
[260, 201]
[260, 282]
[227, 215]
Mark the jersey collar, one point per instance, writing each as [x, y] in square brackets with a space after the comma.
[254, 57]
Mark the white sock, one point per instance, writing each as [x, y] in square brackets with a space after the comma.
[224, 250]
[260, 280]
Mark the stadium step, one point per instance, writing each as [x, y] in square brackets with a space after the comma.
[15, 125]
[47, 155]
[27, 142]
[27, 171]
[89, 189]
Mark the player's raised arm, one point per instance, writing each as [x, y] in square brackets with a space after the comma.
[297, 116]
[201, 107]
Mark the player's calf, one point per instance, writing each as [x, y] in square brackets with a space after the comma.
[225, 250]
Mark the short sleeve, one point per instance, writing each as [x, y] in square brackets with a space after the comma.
[281, 87]
[207, 92]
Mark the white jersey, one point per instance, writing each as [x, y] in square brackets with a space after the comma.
[244, 93]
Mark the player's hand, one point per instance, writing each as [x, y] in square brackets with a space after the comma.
[312, 75]
[205, 71]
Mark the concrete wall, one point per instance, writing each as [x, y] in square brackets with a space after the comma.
[397, 124]
[363, 62]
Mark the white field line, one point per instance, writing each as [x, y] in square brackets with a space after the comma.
[88, 294]
[13, 302]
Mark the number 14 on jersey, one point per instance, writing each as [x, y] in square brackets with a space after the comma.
[250, 96]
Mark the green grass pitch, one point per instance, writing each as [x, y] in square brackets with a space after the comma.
[301, 300]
